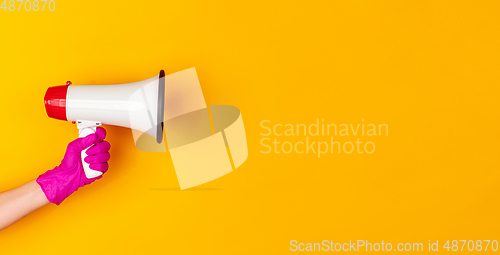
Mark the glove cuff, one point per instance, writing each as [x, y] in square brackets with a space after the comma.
[54, 186]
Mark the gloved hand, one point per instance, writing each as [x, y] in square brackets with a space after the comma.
[62, 181]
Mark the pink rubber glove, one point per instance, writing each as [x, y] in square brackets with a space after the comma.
[62, 181]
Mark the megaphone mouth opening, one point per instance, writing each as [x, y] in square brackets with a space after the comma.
[161, 107]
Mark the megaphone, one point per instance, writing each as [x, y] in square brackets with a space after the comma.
[137, 105]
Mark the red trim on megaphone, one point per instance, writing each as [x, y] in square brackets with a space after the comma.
[55, 102]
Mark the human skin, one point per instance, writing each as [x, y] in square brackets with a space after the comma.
[55, 185]
[19, 202]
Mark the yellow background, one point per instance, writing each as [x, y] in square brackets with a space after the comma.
[429, 69]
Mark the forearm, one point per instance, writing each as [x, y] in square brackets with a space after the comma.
[19, 202]
[57, 184]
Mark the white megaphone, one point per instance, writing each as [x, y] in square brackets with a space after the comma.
[137, 105]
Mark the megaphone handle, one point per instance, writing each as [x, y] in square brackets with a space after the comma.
[86, 166]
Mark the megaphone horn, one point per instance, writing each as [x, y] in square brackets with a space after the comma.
[137, 105]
